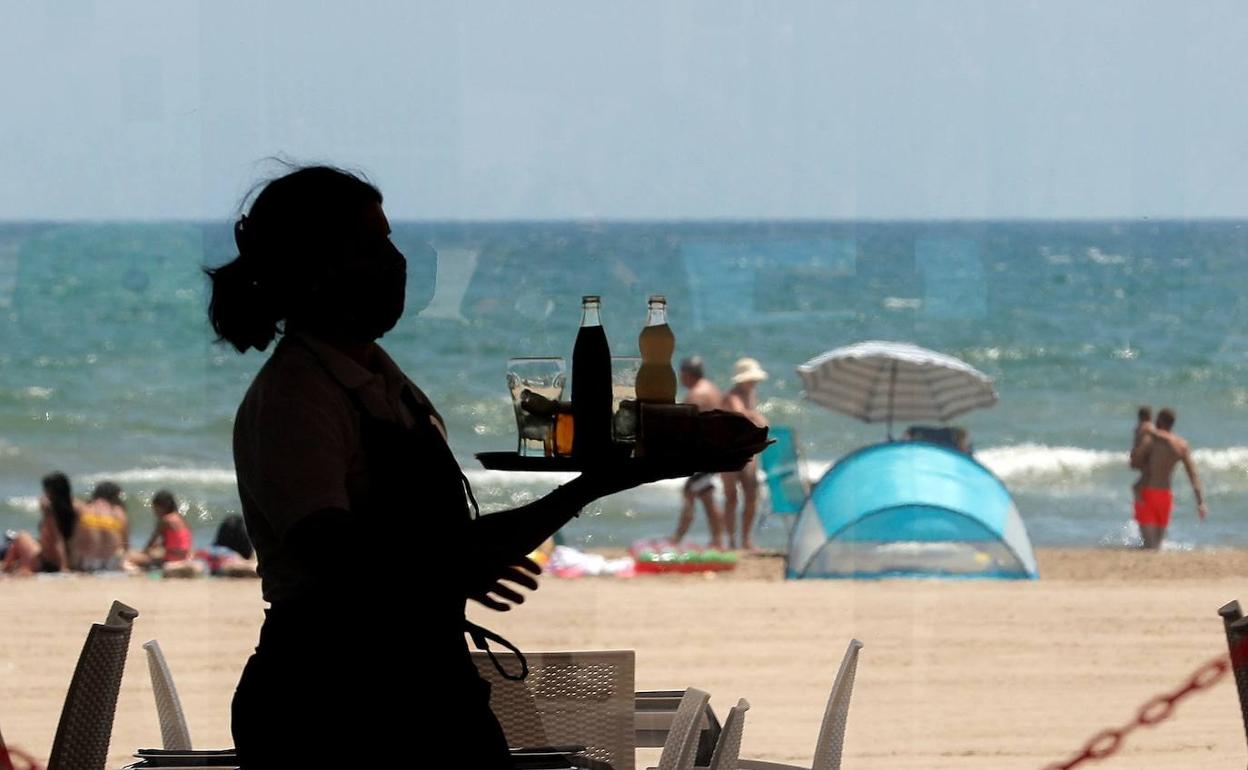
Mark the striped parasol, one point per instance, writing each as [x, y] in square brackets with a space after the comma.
[885, 381]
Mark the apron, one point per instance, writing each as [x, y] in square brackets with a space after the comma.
[378, 667]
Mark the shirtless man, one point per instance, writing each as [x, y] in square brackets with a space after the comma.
[1157, 455]
[702, 393]
[743, 399]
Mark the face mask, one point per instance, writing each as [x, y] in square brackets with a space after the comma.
[361, 299]
[371, 294]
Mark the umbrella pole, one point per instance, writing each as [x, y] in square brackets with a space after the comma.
[892, 387]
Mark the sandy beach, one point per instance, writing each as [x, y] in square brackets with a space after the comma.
[953, 674]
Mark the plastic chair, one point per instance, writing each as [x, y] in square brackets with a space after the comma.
[728, 749]
[835, 715]
[653, 713]
[174, 733]
[86, 726]
[568, 699]
[782, 467]
[1236, 627]
[681, 745]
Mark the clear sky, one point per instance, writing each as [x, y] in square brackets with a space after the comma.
[631, 109]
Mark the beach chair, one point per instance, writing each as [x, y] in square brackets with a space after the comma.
[174, 733]
[86, 725]
[654, 711]
[1236, 627]
[782, 466]
[682, 739]
[568, 699]
[835, 715]
[728, 749]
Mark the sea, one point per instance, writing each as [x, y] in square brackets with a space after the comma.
[109, 370]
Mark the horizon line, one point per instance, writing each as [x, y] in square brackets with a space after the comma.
[1240, 219]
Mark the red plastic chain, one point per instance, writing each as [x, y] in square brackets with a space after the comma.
[1158, 709]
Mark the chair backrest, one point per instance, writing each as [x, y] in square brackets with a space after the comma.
[568, 699]
[1236, 628]
[174, 733]
[832, 732]
[783, 468]
[728, 749]
[86, 726]
[653, 714]
[681, 744]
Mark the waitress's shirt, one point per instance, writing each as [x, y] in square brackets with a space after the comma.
[298, 445]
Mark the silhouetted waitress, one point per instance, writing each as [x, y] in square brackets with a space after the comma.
[364, 525]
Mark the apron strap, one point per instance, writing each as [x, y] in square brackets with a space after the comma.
[423, 413]
[481, 638]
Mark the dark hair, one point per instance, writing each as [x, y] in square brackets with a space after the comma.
[56, 487]
[164, 501]
[1145, 414]
[1165, 418]
[107, 490]
[232, 534]
[693, 365]
[297, 225]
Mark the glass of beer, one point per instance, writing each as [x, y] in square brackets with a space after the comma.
[536, 385]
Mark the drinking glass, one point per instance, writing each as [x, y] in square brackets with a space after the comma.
[541, 376]
[624, 389]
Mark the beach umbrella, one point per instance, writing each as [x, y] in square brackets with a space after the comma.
[885, 381]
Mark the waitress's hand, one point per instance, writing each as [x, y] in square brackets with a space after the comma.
[488, 587]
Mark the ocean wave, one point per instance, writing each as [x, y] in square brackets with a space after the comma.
[1042, 462]
[780, 409]
[1028, 459]
[170, 476]
[1023, 461]
[1008, 353]
[27, 504]
[1105, 258]
[1229, 459]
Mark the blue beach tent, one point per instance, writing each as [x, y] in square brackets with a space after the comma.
[909, 509]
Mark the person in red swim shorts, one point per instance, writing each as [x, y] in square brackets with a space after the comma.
[1157, 454]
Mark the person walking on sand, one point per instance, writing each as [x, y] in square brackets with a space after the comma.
[703, 394]
[1156, 455]
[743, 399]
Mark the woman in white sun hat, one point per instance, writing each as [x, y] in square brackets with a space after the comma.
[743, 399]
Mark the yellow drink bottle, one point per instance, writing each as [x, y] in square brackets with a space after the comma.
[656, 380]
